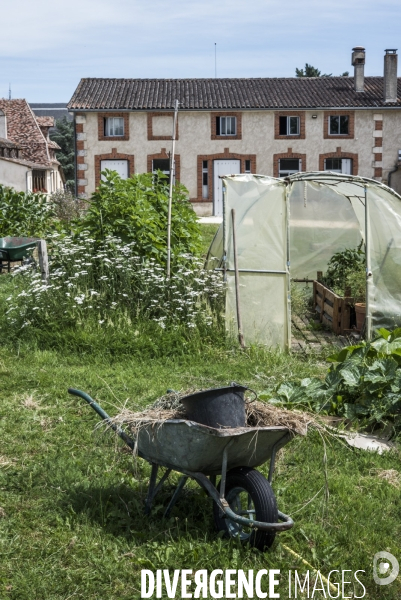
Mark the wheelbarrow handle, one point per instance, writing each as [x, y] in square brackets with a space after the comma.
[103, 414]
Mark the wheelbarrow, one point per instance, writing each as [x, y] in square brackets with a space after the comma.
[244, 505]
[13, 249]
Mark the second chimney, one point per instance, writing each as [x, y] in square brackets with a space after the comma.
[390, 76]
[358, 62]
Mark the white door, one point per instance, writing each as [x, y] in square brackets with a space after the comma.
[222, 167]
[121, 166]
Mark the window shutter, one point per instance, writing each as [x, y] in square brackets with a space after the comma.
[346, 166]
[217, 125]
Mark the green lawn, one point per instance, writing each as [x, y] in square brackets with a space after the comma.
[208, 233]
[71, 498]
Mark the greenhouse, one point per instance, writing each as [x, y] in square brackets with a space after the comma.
[278, 230]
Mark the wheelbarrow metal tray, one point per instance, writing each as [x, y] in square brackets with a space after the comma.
[191, 447]
[14, 248]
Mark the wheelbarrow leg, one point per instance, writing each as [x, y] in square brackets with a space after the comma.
[176, 495]
[153, 488]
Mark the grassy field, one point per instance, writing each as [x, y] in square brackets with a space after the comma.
[71, 497]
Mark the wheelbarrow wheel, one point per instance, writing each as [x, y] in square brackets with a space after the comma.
[249, 494]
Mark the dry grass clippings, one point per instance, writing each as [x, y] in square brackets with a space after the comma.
[2, 513]
[259, 414]
[30, 403]
[392, 476]
[4, 461]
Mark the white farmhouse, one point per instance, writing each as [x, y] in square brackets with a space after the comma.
[270, 126]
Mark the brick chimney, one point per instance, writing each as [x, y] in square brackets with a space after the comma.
[390, 76]
[358, 62]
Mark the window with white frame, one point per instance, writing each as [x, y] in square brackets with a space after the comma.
[288, 166]
[113, 126]
[226, 125]
[247, 166]
[289, 126]
[205, 179]
[338, 165]
[339, 125]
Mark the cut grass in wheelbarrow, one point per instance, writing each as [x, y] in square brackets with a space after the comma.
[244, 503]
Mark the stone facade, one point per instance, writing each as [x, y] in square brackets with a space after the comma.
[372, 143]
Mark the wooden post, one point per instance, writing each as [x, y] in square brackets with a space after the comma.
[43, 260]
[239, 321]
[170, 195]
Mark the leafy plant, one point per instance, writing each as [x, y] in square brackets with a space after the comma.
[363, 382]
[24, 214]
[135, 210]
[346, 273]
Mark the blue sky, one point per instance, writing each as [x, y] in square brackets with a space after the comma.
[46, 47]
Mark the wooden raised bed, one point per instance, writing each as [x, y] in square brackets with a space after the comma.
[334, 311]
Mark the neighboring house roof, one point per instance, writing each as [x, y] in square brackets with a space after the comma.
[27, 163]
[23, 129]
[223, 94]
[57, 110]
[8, 144]
[45, 121]
[52, 144]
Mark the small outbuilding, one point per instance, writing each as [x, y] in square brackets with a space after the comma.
[276, 230]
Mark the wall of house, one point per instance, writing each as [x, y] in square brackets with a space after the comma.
[373, 146]
[13, 175]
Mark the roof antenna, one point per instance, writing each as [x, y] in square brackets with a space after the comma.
[9, 91]
[215, 59]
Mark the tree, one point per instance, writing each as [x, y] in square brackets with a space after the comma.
[64, 137]
[310, 71]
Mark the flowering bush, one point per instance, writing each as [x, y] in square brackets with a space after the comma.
[108, 284]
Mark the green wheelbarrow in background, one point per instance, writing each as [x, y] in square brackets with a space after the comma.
[13, 249]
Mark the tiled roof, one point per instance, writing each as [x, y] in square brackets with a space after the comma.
[57, 110]
[23, 129]
[45, 121]
[223, 94]
[27, 163]
[7, 144]
[52, 144]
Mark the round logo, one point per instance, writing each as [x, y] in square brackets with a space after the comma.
[385, 568]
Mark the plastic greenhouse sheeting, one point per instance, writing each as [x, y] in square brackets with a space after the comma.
[326, 213]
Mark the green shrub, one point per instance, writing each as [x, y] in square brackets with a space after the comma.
[24, 214]
[135, 209]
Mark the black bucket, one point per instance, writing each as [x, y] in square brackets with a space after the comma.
[218, 408]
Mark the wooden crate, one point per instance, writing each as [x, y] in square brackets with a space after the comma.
[334, 311]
